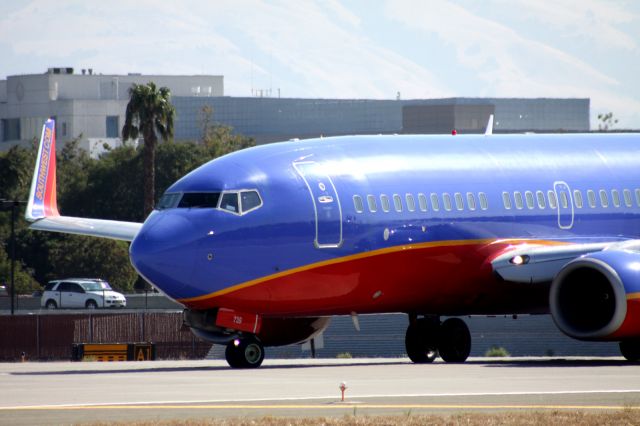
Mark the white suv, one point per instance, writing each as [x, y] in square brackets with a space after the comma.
[87, 293]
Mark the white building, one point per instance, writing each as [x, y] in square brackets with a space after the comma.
[83, 104]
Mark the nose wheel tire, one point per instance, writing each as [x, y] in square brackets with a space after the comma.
[245, 352]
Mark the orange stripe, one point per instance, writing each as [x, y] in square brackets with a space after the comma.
[365, 255]
[633, 296]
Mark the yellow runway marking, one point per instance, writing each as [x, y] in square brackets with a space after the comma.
[336, 406]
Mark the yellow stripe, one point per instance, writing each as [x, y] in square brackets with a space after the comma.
[336, 405]
[364, 255]
[633, 296]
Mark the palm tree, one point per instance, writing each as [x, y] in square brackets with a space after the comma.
[150, 114]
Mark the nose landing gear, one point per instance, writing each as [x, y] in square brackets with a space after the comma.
[245, 352]
[427, 337]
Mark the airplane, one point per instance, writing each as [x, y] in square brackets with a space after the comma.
[262, 246]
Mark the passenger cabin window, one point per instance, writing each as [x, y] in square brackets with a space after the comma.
[627, 198]
[542, 203]
[411, 202]
[553, 201]
[471, 201]
[506, 199]
[577, 197]
[192, 200]
[528, 196]
[446, 199]
[484, 203]
[517, 196]
[357, 203]
[435, 204]
[591, 196]
[459, 201]
[397, 203]
[604, 199]
[564, 200]
[371, 201]
[615, 196]
[384, 200]
[638, 197]
[422, 201]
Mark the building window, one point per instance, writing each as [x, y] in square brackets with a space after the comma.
[10, 129]
[112, 126]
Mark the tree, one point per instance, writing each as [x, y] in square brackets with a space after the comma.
[607, 121]
[150, 114]
[219, 139]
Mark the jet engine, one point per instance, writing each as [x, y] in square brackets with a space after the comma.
[589, 296]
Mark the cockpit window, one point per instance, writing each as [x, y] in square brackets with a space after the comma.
[199, 200]
[238, 202]
[168, 201]
[230, 202]
[250, 200]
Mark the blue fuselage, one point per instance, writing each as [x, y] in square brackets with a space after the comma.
[331, 209]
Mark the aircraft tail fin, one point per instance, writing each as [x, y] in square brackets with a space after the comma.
[489, 130]
[42, 197]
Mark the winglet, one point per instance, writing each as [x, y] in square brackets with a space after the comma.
[42, 197]
[489, 130]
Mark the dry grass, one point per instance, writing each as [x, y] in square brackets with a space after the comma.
[619, 418]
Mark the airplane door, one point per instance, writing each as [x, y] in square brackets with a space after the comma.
[328, 213]
[565, 205]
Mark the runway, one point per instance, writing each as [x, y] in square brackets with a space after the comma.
[64, 392]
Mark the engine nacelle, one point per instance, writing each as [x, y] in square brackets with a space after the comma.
[597, 296]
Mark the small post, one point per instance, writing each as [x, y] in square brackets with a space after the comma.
[343, 387]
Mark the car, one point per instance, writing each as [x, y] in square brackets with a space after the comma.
[83, 293]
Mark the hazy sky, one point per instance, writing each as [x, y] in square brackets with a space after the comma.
[350, 49]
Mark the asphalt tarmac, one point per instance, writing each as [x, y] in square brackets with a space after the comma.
[65, 392]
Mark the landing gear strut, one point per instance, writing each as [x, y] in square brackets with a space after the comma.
[244, 352]
[427, 337]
